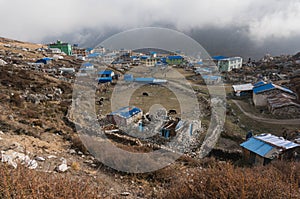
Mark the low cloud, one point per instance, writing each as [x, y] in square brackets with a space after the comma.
[254, 20]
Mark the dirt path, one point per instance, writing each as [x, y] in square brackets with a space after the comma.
[268, 120]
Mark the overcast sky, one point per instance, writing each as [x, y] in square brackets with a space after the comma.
[260, 22]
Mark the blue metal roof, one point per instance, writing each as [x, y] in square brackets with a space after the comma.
[86, 69]
[104, 79]
[145, 57]
[257, 146]
[94, 55]
[144, 79]
[210, 77]
[270, 86]
[105, 72]
[47, 58]
[219, 57]
[260, 83]
[127, 112]
[175, 57]
[128, 77]
[87, 64]
[164, 60]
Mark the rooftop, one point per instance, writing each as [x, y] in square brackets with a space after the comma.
[281, 100]
[260, 83]
[175, 57]
[126, 112]
[210, 77]
[276, 141]
[242, 87]
[257, 146]
[87, 64]
[270, 86]
[105, 72]
[219, 57]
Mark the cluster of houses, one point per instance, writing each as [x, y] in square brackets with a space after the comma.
[277, 99]
[170, 127]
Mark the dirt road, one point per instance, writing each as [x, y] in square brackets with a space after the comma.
[268, 120]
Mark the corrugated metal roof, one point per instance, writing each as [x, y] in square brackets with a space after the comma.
[86, 69]
[106, 72]
[242, 87]
[257, 146]
[94, 55]
[175, 57]
[260, 83]
[277, 141]
[87, 64]
[127, 112]
[210, 77]
[219, 57]
[284, 89]
[281, 100]
[270, 86]
[145, 57]
[144, 79]
[104, 79]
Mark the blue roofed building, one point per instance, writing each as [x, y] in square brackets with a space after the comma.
[262, 149]
[125, 115]
[106, 73]
[211, 79]
[94, 55]
[218, 58]
[144, 80]
[264, 91]
[227, 64]
[258, 84]
[149, 60]
[105, 76]
[45, 60]
[174, 60]
[88, 65]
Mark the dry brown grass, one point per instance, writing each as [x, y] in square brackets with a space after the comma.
[223, 180]
[25, 183]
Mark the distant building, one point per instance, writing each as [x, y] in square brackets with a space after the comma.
[105, 76]
[66, 70]
[283, 105]
[169, 128]
[79, 51]
[90, 50]
[262, 149]
[110, 58]
[87, 69]
[125, 115]
[54, 50]
[263, 91]
[101, 50]
[45, 60]
[144, 80]
[87, 65]
[210, 79]
[149, 61]
[64, 47]
[94, 55]
[174, 60]
[243, 90]
[227, 64]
